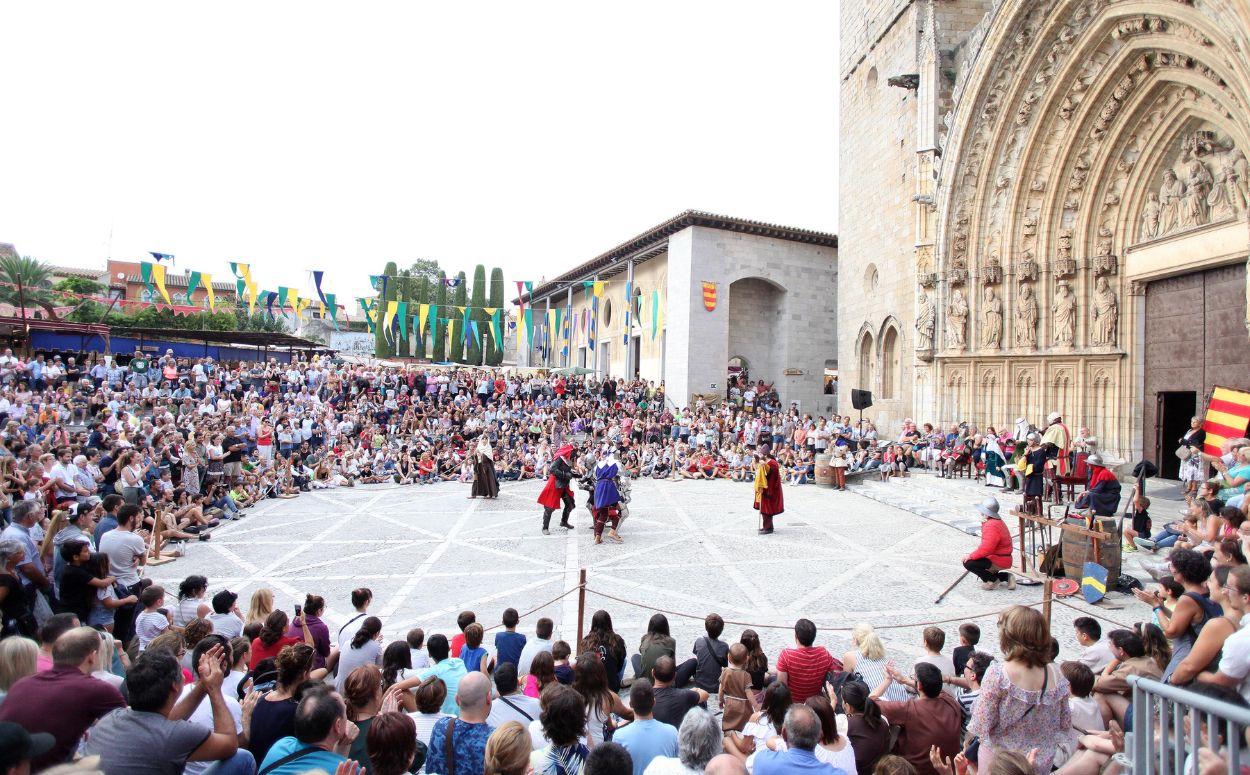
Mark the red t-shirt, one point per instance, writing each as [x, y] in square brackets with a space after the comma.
[805, 669]
[457, 643]
[261, 651]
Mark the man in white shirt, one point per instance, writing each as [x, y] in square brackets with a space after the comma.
[541, 642]
[1097, 653]
[512, 705]
[203, 713]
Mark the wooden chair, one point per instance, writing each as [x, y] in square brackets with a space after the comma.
[1079, 476]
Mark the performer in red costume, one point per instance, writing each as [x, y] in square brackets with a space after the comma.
[558, 490]
[768, 498]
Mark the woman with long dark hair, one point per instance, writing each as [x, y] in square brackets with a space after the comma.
[273, 637]
[765, 723]
[590, 680]
[609, 646]
[865, 728]
[654, 644]
[365, 649]
[273, 717]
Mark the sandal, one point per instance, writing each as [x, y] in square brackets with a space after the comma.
[205, 536]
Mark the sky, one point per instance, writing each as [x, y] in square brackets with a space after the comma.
[339, 136]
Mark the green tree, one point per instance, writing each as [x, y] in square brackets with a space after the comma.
[423, 297]
[85, 310]
[495, 355]
[405, 293]
[425, 269]
[382, 347]
[459, 299]
[439, 347]
[473, 353]
[25, 281]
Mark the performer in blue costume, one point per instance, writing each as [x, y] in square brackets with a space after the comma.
[607, 496]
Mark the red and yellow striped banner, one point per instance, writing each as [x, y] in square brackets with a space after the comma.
[709, 296]
[1228, 415]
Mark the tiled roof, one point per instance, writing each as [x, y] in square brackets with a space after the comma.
[75, 271]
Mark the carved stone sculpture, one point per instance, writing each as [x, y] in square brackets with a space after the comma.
[1105, 241]
[1106, 313]
[1150, 217]
[1063, 312]
[1026, 318]
[1028, 267]
[1227, 197]
[1170, 195]
[926, 323]
[957, 319]
[1029, 228]
[992, 320]
[1198, 182]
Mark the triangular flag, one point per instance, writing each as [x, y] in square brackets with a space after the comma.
[207, 279]
[599, 284]
[158, 278]
[145, 274]
[629, 303]
[588, 287]
[317, 275]
[401, 314]
[193, 282]
[655, 311]
[496, 327]
[364, 305]
[333, 307]
[423, 312]
[389, 317]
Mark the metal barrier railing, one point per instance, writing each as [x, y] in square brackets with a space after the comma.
[1168, 725]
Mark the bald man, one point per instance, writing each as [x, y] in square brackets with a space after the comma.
[469, 732]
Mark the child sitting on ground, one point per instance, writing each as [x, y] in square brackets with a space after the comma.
[560, 652]
[1086, 717]
[1141, 520]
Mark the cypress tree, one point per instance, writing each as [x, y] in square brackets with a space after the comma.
[495, 355]
[439, 347]
[478, 300]
[423, 297]
[382, 346]
[459, 299]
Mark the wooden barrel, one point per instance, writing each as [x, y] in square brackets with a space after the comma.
[1079, 549]
[824, 470]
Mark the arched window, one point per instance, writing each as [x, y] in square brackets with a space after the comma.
[889, 363]
[865, 362]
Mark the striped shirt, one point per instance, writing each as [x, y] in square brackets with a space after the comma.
[805, 668]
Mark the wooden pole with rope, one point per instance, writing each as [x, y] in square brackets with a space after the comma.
[581, 604]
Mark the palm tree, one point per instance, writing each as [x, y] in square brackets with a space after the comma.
[25, 280]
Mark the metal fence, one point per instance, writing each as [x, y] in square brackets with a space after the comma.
[1168, 722]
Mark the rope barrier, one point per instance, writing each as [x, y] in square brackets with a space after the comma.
[536, 609]
[1061, 601]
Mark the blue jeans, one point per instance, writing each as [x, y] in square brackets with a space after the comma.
[242, 763]
[227, 505]
[1167, 537]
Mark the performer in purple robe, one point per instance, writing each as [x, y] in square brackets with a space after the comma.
[607, 496]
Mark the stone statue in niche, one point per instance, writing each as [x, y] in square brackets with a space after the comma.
[1106, 313]
[1026, 318]
[1227, 197]
[1063, 311]
[1150, 217]
[926, 323]
[1198, 182]
[992, 324]
[1170, 195]
[1105, 241]
[1028, 267]
[957, 319]
[1240, 180]
[1065, 243]
[1029, 228]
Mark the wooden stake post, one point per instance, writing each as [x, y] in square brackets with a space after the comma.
[581, 605]
[155, 557]
[1032, 523]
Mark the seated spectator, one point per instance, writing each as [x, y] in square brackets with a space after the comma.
[608, 759]
[1111, 688]
[19, 658]
[509, 644]
[227, 622]
[869, 659]
[449, 670]
[764, 724]
[429, 696]
[542, 674]
[932, 719]
[1097, 654]
[273, 637]
[698, 740]
[468, 733]
[801, 735]
[365, 648]
[18, 748]
[541, 642]
[654, 644]
[711, 655]
[508, 750]
[56, 626]
[392, 744]
[273, 716]
[563, 721]
[969, 637]
[867, 730]
[590, 680]
[154, 734]
[68, 686]
[671, 703]
[1204, 655]
[804, 667]
[322, 738]
[512, 704]
[645, 738]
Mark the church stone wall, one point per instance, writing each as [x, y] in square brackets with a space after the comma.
[876, 216]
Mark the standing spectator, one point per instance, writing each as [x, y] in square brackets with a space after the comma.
[645, 738]
[468, 733]
[1024, 698]
[126, 551]
[804, 667]
[79, 699]
[33, 574]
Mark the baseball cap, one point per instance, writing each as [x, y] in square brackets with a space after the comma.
[17, 745]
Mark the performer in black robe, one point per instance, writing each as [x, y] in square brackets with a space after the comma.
[484, 482]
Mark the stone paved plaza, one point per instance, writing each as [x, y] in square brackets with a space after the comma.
[428, 552]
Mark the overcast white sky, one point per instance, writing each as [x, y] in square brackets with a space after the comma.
[299, 136]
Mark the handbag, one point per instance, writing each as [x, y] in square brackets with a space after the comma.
[1183, 452]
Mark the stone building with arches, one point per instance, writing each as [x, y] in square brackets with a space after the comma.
[1059, 205]
[771, 309]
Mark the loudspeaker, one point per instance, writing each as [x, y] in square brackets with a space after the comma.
[861, 399]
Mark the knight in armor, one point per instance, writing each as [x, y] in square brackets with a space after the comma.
[607, 496]
[558, 489]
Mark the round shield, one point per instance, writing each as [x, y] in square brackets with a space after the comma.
[1065, 587]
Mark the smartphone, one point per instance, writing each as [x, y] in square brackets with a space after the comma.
[298, 610]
